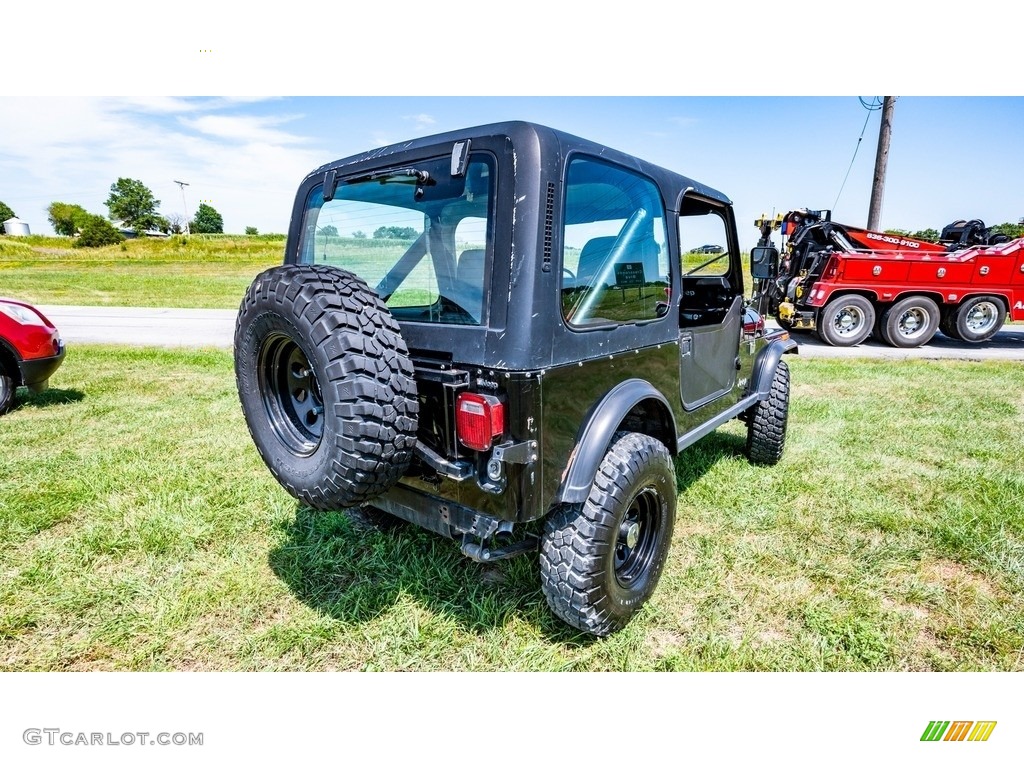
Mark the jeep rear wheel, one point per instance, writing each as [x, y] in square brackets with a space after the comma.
[326, 385]
[600, 561]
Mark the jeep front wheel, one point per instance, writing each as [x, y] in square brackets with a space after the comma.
[600, 561]
[326, 385]
[766, 421]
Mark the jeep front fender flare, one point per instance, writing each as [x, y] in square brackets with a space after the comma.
[597, 432]
[766, 362]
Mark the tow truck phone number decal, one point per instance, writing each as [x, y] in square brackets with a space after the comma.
[893, 240]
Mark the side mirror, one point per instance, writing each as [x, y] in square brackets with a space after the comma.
[764, 262]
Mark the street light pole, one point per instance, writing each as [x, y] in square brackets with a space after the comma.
[184, 184]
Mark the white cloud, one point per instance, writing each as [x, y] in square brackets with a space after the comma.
[422, 122]
[73, 149]
[244, 128]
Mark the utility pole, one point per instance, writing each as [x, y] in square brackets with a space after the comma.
[184, 184]
[881, 159]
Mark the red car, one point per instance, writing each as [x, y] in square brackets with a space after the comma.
[30, 350]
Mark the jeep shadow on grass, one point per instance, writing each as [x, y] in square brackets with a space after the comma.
[353, 567]
[503, 335]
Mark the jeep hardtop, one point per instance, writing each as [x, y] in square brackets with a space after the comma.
[505, 334]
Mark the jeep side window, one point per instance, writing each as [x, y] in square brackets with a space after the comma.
[615, 266]
[423, 250]
[709, 285]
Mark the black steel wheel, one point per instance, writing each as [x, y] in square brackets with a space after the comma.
[910, 322]
[846, 321]
[291, 394]
[766, 422]
[600, 561]
[979, 318]
[326, 385]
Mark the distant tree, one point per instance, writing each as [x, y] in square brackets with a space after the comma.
[251, 231]
[900, 232]
[207, 221]
[132, 202]
[97, 232]
[931, 235]
[67, 218]
[394, 233]
[329, 230]
[175, 223]
[5, 214]
[359, 234]
[1010, 230]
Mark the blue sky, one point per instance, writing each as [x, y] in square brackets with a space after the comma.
[949, 158]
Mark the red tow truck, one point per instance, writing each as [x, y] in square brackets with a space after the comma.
[847, 283]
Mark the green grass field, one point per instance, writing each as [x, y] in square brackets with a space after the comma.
[139, 530]
[201, 271]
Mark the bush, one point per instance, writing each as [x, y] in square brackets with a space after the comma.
[67, 218]
[97, 232]
[251, 231]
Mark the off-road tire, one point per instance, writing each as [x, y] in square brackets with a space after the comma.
[594, 575]
[766, 422]
[979, 318]
[7, 389]
[846, 321]
[326, 384]
[910, 322]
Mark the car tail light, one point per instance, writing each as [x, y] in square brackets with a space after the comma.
[478, 420]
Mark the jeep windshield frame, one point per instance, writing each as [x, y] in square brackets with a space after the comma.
[422, 238]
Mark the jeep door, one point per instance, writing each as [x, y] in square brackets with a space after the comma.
[711, 304]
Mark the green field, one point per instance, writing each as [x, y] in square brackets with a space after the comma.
[202, 271]
[139, 530]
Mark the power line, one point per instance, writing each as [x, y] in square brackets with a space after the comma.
[871, 106]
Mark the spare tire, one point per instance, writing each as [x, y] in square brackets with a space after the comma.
[326, 384]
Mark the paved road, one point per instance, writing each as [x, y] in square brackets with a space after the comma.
[144, 326]
[215, 328]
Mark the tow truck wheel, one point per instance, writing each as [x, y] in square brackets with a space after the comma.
[910, 322]
[601, 560]
[846, 321]
[979, 318]
[948, 325]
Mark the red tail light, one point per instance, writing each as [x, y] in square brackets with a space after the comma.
[478, 420]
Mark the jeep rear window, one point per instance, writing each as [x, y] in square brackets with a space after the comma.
[423, 247]
[615, 265]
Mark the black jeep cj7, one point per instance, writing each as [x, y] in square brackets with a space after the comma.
[504, 335]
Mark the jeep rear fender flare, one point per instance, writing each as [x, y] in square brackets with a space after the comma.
[765, 364]
[600, 426]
